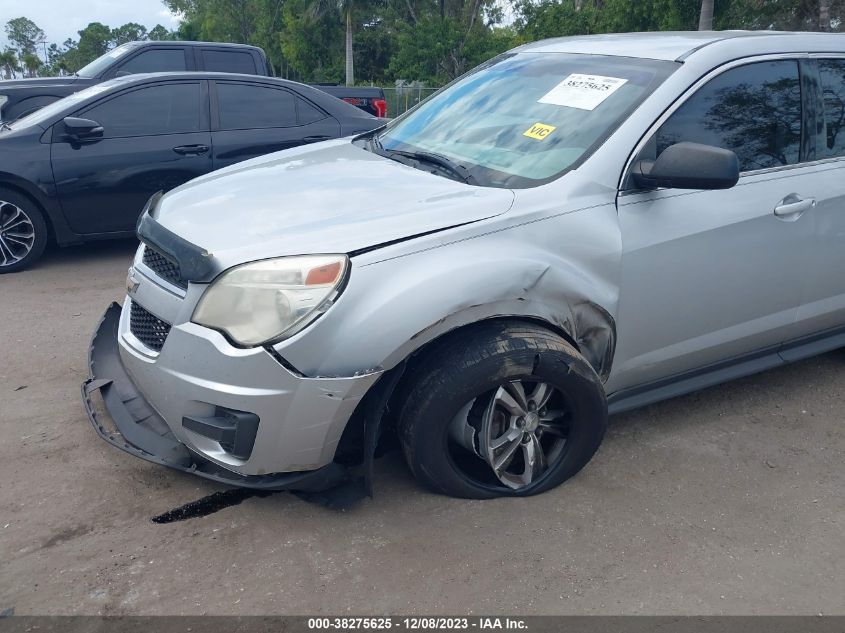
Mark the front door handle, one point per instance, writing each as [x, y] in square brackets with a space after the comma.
[191, 150]
[316, 139]
[793, 205]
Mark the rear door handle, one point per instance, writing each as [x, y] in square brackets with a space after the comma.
[793, 205]
[191, 150]
[316, 139]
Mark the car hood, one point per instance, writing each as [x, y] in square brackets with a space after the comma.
[331, 197]
[37, 82]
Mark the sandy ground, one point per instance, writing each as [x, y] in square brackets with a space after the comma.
[726, 501]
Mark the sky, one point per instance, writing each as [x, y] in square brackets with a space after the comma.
[61, 19]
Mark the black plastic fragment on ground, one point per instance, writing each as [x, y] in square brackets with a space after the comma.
[209, 505]
[339, 498]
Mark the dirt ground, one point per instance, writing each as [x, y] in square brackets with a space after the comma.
[729, 501]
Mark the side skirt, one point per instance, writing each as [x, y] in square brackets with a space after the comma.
[725, 371]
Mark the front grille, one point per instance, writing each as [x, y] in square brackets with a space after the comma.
[147, 327]
[163, 267]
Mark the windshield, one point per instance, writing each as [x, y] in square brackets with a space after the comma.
[57, 107]
[524, 119]
[96, 67]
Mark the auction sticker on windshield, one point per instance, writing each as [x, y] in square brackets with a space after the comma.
[584, 92]
[539, 131]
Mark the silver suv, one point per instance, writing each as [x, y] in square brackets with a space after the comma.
[578, 227]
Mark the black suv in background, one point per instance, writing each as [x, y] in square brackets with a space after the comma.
[21, 97]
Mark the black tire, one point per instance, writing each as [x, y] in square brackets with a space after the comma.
[465, 365]
[12, 257]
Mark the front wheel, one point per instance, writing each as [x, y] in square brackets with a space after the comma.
[23, 231]
[503, 409]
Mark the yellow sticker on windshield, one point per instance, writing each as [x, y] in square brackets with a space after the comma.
[539, 131]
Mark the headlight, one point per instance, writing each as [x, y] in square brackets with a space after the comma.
[271, 299]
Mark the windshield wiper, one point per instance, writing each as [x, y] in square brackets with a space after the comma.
[441, 161]
[4, 126]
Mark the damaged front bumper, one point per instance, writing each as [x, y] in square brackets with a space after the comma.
[133, 425]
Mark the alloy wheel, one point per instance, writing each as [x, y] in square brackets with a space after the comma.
[17, 234]
[518, 429]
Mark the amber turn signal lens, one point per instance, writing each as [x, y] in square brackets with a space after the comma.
[323, 275]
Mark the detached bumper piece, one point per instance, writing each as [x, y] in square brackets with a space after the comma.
[140, 431]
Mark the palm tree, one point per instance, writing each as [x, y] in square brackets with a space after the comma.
[31, 63]
[824, 15]
[319, 8]
[705, 20]
[8, 62]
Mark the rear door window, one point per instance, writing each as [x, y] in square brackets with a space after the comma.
[157, 60]
[308, 113]
[222, 61]
[753, 110]
[833, 88]
[162, 109]
[245, 106]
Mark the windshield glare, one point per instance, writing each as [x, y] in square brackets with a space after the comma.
[524, 119]
[98, 65]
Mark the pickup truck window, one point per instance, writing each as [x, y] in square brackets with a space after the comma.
[244, 106]
[157, 60]
[95, 68]
[223, 61]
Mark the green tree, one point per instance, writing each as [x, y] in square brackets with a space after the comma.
[705, 21]
[788, 15]
[129, 32]
[158, 33]
[548, 18]
[342, 9]
[9, 63]
[438, 41]
[310, 47]
[24, 34]
[30, 62]
[256, 22]
[94, 40]
[55, 64]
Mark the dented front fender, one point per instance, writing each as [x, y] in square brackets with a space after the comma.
[562, 270]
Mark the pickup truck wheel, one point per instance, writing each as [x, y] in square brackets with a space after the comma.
[23, 232]
[504, 409]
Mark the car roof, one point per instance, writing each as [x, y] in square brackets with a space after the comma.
[325, 100]
[191, 43]
[197, 75]
[679, 45]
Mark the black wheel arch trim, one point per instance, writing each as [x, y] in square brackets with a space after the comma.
[47, 203]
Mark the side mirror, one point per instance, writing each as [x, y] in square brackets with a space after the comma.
[688, 166]
[82, 130]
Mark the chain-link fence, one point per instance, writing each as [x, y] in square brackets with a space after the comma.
[402, 98]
